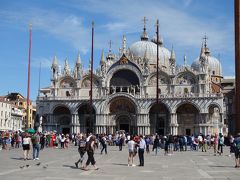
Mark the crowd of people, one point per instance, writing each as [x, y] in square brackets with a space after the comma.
[136, 144]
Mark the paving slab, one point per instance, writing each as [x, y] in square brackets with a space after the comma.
[58, 164]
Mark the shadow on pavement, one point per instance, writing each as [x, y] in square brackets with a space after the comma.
[119, 164]
[70, 166]
[17, 158]
[220, 166]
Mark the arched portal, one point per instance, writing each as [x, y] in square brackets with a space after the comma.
[62, 119]
[124, 81]
[87, 118]
[187, 118]
[123, 111]
[159, 119]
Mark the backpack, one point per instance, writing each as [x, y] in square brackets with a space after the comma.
[238, 147]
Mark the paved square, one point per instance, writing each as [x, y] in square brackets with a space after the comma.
[59, 164]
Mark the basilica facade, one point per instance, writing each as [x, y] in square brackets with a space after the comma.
[124, 93]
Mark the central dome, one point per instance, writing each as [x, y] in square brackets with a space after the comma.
[140, 49]
[148, 49]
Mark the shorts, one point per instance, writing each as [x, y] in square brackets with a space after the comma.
[26, 147]
[131, 150]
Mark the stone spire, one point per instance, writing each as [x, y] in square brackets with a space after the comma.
[78, 62]
[102, 61]
[54, 63]
[185, 60]
[173, 56]
[202, 52]
[54, 68]
[144, 36]
[78, 71]
[124, 44]
[110, 55]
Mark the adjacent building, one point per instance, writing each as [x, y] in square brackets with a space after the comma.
[28, 113]
[11, 118]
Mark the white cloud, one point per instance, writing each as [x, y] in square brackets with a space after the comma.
[178, 27]
[45, 62]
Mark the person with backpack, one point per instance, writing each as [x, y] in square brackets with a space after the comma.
[220, 144]
[236, 143]
[36, 145]
[81, 149]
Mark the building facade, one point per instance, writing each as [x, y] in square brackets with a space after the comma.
[5, 116]
[124, 93]
[28, 113]
[11, 117]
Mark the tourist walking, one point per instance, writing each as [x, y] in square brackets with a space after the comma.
[131, 151]
[220, 144]
[81, 149]
[156, 144]
[236, 143]
[103, 141]
[36, 146]
[142, 146]
[121, 141]
[27, 143]
[231, 144]
[148, 142]
[90, 147]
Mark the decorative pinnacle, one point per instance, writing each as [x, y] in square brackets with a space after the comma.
[110, 46]
[102, 58]
[144, 35]
[78, 58]
[185, 59]
[205, 40]
[144, 23]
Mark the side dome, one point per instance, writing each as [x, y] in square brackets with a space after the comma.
[214, 66]
[196, 65]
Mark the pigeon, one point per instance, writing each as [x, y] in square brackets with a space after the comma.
[45, 166]
[21, 167]
[38, 164]
[27, 165]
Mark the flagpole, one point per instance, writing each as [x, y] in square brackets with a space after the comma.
[157, 90]
[91, 75]
[29, 68]
[39, 78]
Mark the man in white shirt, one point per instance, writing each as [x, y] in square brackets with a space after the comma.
[142, 146]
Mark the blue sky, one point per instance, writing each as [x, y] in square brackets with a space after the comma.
[63, 27]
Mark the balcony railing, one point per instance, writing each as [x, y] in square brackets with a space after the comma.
[135, 95]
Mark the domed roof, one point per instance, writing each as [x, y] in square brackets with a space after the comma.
[214, 65]
[148, 49]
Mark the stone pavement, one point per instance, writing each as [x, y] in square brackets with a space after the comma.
[58, 164]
